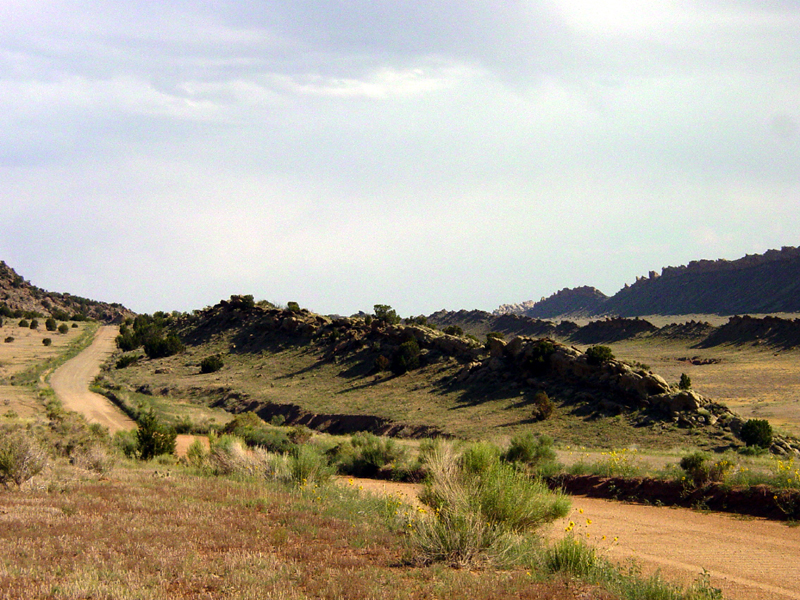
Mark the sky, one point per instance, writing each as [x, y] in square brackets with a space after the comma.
[426, 155]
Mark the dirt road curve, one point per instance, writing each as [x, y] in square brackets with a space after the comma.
[71, 382]
[749, 559]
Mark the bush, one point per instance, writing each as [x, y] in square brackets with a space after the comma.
[406, 358]
[699, 473]
[153, 437]
[757, 432]
[24, 323]
[126, 361]
[453, 330]
[293, 307]
[309, 465]
[367, 454]
[529, 449]
[597, 355]
[163, 347]
[542, 407]
[50, 324]
[211, 364]
[34, 324]
[382, 364]
[385, 313]
[479, 457]
[197, 453]
[63, 328]
[21, 458]
[539, 358]
[47, 341]
[685, 383]
[8, 340]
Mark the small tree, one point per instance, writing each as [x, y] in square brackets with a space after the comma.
[24, 323]
[685, 383]
[385, 313]
[34, 324]
[406, 358]
[211, 364]
[50, 324]
[63, 328]
[153, 437]
[293, 307]
[597, 355]
[757, 432]
[47, 341]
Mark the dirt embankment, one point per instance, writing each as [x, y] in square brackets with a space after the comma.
[70, 382]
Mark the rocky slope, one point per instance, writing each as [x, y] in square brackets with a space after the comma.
[17, 294]
[755, 284]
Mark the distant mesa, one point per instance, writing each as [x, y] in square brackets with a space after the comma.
[754, 284]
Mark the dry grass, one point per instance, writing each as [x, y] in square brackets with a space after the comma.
[138, 535]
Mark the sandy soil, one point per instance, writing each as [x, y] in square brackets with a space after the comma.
[749, 559]
[71, 381]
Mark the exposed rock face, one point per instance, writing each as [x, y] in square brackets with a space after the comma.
[18, 294]
[760, 283]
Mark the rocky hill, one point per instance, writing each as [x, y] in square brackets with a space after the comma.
[755, 284]
[19, 297]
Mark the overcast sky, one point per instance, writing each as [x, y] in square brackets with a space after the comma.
[428, 155]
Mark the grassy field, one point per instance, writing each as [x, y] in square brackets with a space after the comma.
[25, 360]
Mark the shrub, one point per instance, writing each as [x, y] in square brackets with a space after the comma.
[63, 328]
[245, 302]
[453, 330]
[479, 457]
[478, 516]
[21, 458]
[163, 347]
[24, 323]
[293, 307]
[196, 453]
[211, 364]
[529, 449]
[34, 324]
[385, 313]
[757, 432]
[539, 358]
[153, 437]
[696, 469]
[572, 556]
[47, 341]
[309, 465]
[300, 434]
[406, 358]
[542, 407]
[50, 324]
[367, 454]
[685, 383]
[597, 355]
[8, 340]
[382, 364]
[126, 361]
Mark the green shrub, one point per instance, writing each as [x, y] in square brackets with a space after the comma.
[700, 473]
[539, 358]
[293, 307]
[8, 340]
[163, 347]
[50, 324]
[21, 458]
[211, 364]
[757, 432]
[309, 465]
[479, 457]
[47, 341]
[24, 323]
[453, 330]
[572, 556]
[406, 357]
[529, 449]
[382, 364]
[385, 313]
[542, 407]
[685, 383]
[597, 355]
[34, 324]
[153, 437]
[63, 328]
[197, 453]
[300, 434]
[367, 454]
[126, 360]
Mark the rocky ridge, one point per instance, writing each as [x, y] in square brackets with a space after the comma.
[17, 294]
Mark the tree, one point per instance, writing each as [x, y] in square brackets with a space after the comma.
[597, 355]
[757, 432]
[50, 324]
[406, 358]
[63, 328]
[685, 383]
[385, 313]
[153, 437]
[34, 324]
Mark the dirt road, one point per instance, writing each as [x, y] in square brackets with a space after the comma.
[71, 381]
[749, 559]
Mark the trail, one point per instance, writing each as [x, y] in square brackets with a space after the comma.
[748, 559]
[70, 382]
